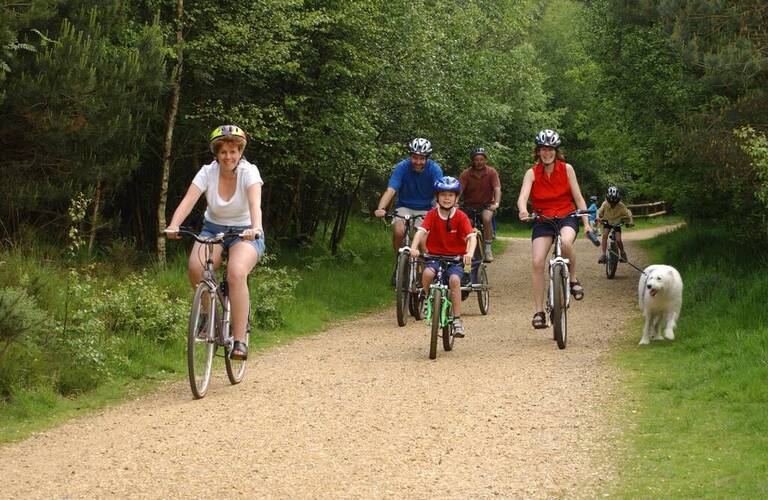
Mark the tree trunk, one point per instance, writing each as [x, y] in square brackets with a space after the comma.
[342, 215]
[95, 217]
[171, 123]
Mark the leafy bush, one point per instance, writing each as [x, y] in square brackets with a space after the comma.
[270, 288]
[138, 306]
[20, 318]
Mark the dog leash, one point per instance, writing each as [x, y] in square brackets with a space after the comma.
[628, 262]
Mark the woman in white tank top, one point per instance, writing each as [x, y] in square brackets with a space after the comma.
[232, 188]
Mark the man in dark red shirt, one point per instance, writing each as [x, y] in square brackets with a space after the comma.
[482, 193]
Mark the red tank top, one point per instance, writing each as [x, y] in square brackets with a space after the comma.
[551, 194]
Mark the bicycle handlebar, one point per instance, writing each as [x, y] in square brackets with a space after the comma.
[622, 223]
[218, 238]
[533, 216]
[453, 259]
[393, 215]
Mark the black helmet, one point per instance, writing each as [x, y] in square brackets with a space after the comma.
[420, 146]
[613, 195]
[548, 137]
[478, 151]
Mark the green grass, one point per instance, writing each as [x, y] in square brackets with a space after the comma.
[329, 288]
[699, 405]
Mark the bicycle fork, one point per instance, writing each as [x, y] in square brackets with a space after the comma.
[552, 278]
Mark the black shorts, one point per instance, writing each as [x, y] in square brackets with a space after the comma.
[543, 228]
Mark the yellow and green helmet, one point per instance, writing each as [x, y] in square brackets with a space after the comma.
[226, 131]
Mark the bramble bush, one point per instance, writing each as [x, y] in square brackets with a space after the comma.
[270, 288]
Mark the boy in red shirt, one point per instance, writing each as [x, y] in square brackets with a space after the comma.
[447, 231]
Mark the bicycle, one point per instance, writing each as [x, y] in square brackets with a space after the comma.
[558, 291]
[478, 277]
[612, 257]
[209, 321]
[408, 293]
[439, 312]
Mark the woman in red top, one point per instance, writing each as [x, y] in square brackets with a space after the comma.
[554, 192]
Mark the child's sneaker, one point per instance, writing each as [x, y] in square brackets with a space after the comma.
[458, 328]
[601, 260]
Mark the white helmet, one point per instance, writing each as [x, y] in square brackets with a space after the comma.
[420, 146]
[613, 195]
[548, 137]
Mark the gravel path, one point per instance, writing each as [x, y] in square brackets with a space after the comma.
[360, 411]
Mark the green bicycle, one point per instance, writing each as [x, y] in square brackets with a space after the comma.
[439, 314]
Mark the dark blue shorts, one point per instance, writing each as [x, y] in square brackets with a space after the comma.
[457, 269]
[543, 228]
[211, 229]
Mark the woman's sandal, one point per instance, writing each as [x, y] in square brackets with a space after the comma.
[539, 320]
[239, 351]
[577, 290]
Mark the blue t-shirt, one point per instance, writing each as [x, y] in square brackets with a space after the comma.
[414, 190]
[592, 212]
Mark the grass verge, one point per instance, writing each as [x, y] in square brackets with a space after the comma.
[328, 288]
[699, 405]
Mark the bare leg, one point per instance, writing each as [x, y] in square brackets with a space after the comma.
[567, 237]
[398, 235]
[539, 249]
[455, 284]
[242, 258]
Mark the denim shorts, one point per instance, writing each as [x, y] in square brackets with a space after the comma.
[211, 229]
[543, 228]
[457, 269]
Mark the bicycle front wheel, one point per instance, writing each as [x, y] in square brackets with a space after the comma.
[401, 288]
[559, 309]
[483, 296]
[201, 342]
[236, 367]
[437, 301]
[611, 260]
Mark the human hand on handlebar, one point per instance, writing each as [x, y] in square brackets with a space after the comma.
[467, 260]
[379, 212]
[523, 215]
[251, 234]
[172, 233]
[415, 252]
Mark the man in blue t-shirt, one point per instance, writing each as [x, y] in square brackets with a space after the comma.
[412, 181]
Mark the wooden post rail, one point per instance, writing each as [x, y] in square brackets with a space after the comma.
[648, 210]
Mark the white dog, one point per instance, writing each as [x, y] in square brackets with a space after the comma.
[661, 294]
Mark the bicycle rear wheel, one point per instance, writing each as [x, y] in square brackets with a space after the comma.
[483, 296]
[437, 300]
[201, 342]
[611, 260]
[401, 288]
[236, 367]
[559, 309]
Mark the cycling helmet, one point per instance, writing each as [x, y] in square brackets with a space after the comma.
[613, 195]
[420, 146]
[447, 183]
[477, 151]
[548, 137]
[226, 131]
[593, 198]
